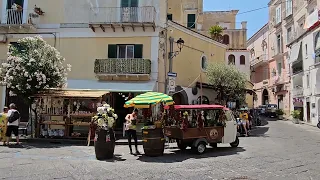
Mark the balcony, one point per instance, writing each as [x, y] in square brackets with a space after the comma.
[296, 34]
[122, 67]
[297, 92]
[17, 20]
[122, 17]
[259, 61]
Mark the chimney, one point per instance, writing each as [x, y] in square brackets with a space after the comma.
[244, 24]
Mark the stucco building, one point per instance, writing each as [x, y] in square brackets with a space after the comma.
[111, 44]
[190, 14]
[304, 60]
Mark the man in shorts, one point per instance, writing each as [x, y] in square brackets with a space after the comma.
[13, 127]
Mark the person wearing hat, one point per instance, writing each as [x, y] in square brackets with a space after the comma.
[3, 125]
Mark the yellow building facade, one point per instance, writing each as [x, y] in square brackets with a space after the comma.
[231, 49]
[112, 45]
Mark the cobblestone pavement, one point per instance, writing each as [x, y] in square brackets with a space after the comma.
[278, 150]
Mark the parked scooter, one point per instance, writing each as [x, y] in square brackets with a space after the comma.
[241, 128]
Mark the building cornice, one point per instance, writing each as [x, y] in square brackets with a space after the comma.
[263, 28]
[195, 34]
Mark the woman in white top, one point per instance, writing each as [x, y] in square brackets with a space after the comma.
[131, 131]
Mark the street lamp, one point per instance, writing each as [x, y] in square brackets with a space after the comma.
[180, 43]
[172, 54]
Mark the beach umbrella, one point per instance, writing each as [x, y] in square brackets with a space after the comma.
[150, 98]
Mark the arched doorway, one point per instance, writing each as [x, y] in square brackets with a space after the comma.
[177, 98]
[265, 97]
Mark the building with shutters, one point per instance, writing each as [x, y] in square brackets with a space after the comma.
[190, 15]
[304, 60]
[111, 44]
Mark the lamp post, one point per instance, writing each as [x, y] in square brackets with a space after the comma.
[172, 54]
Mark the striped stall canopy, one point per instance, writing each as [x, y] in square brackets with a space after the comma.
[149, 98]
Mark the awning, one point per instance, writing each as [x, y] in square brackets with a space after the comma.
[72, 93]
[294, 52]
[128, 86]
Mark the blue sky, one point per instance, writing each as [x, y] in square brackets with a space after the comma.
[256, 19]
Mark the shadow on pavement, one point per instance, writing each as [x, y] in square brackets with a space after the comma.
[116, 158]
[180, 156]
[259, 132]
[35, 145]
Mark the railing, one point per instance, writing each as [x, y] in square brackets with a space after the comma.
[297, 91]
[20, 16]
[258, 60]
[105, 15]
[122, 66]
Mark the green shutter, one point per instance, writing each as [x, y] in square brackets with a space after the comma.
[112, 51]
[191, 21]
[134, 3]
[138, 51]
[125, 3]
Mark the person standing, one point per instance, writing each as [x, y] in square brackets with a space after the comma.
[131, 129]
[3, 125]
[13, 118]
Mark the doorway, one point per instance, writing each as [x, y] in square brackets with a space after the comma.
[177, 98]
[15, 14]
[119, 100]
[308, 112]
[265, 97]
[129, 10]
[280, 101]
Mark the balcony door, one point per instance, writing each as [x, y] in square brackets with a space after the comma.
[15, 12]
[125, 51]
[129, 10]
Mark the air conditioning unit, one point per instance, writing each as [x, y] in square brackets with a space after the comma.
[3, 38]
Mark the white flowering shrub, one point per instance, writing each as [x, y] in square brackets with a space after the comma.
[32, 66]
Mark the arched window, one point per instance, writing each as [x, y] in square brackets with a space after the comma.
[231, 59]
[264, 45]
[226, 39]
[242, 60]
[204, 63]
[252, 52]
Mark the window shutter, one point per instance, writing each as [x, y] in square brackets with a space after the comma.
[138, 51]
[112, 51]
[191, 18]
[124, 3]
[134, 3]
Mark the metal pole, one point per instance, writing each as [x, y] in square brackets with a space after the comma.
[171, 41]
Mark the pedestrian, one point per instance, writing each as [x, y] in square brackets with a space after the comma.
[13, 118]
[3, 125]
[131, 131]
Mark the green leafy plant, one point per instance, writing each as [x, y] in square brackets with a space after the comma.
[296, 114]
[280, 112]
[216, 32]
[227, 81]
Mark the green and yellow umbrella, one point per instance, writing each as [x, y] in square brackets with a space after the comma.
[150, 98]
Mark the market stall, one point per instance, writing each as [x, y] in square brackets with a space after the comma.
[66, 113]
[152, 104]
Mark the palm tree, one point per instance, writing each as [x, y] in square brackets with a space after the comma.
[215, 32]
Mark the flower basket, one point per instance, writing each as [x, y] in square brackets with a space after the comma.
[295, 116]
[104, 140]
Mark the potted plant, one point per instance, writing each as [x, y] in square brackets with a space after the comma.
[104, 140]
[295, 116]
[280, 113]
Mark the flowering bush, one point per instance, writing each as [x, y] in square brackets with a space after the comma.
[32, 66]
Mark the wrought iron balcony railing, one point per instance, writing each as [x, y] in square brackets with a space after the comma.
[108, 15]
[20, 17]
[122, 67]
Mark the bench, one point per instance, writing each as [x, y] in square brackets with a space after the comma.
[23, 126]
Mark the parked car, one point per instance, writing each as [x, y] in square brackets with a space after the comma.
[263, 109]
[271, 110]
